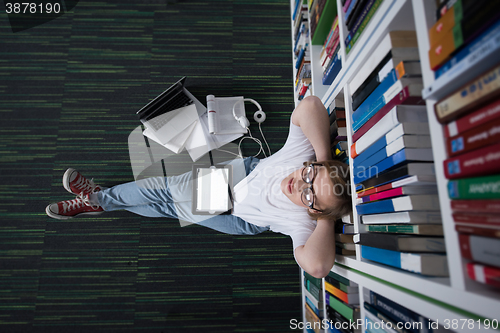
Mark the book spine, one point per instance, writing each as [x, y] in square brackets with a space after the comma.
[475, 188]
[482, 116]
[475, 138]
[333, 70]
[358, 21]
[486, 206]
[339, 306]
[395, 311]
[402, 98]
[483, 161]
[486, 219]
[363, 25]
[484, 274]
[483, 249]
[336, 292]
[469, 96]
[478, 231]
[444, 24]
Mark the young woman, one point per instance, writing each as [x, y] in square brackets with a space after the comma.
[281, 193]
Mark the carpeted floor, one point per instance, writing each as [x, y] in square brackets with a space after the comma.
[69, 90]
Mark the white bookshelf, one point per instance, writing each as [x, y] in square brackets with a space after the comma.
[456, 297]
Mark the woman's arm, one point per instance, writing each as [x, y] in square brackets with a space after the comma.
[312, 117]
[317, 256]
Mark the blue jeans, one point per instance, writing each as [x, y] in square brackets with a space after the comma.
[152, 197]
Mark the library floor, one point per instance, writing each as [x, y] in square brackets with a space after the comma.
[69, 92]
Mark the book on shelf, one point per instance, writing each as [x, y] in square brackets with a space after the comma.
[485, 250]
[488, 42]
[312, 279]
[487, 187]
[350, 7]
[404, 141]
[385, 92]
[345, 246]
[355, 13]
[485, 206]
[483, 161]
[476, 218]
[318, 312]
[474, 138]
[478, 230]
[346, 297]
[374, 318]
[333, 70]
[350, 312]
[408, 181]
[399, 191]
[401, 44]
[321, 20]
[350, 287]
[313, 289]
[402, 156]
[403, 203]
[313, 319]
[411, 229]
[402, 243]
[403, 98]
[484, 274]
[398, 313]
[314, 301]
[361, 23]
[484, 115]
[406, 217]
[472, 24]
[344, 238]
[431, 264]
[332, 276]
[344, 252]
[469, 97]
[423, 170]
[344, 228]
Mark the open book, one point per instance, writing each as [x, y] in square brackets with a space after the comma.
[221, 119]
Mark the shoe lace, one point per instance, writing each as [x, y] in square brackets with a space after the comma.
[85, 185]
[86, 201]
[70, 205]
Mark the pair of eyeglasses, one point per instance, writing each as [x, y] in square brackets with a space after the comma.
[307, 196]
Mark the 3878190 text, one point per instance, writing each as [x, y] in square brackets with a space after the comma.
[453, 324]
[32, 8]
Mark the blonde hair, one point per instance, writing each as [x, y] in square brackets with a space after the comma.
[339, 176]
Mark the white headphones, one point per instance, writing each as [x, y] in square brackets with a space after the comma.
[259, 116]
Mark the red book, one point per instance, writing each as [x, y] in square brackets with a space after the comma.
[476, 118]
[481, 162]
[484, 206]
[474, 138]
[398, 191]
[374, 190]
[479, 231]
[477, 218]
[402, 98]
[485, 274]
[483, 249]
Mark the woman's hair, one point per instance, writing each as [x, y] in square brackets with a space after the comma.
[339, 176]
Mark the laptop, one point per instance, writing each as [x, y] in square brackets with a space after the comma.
[171, 112]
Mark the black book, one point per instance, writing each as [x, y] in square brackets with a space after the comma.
[336, 317]
[369, 85]
[403, 243]
[356, 11]
[406, 170]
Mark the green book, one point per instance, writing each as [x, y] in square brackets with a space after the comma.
[339, 278]
[363, 25]
[414, 229]
[350, 313]
[313, 280]
[475, 188]
[325, 22]
[313, 289]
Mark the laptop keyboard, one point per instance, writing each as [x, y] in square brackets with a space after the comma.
[180, 101]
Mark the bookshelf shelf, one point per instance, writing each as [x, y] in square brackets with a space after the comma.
[457, 296]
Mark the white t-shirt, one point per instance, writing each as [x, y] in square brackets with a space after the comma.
[259, 199]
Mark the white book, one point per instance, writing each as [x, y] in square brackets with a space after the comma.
[408, 217]
[402, 45]
[178, 143]
[408, 141]
[398, 115]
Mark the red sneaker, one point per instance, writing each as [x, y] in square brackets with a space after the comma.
[75, 183]
[71, 208]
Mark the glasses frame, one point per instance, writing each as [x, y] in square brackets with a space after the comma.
[310, 187]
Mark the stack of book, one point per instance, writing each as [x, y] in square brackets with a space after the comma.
[313, 300]
[301, 50]
[342, 299]
[344, 239]
[462, 26]
[393, 165]
[338, 131]
[380, 309]
[472, 137]
[329, 57]
[357, 14]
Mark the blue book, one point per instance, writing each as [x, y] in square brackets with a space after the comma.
[486, 42]
[422, 263]
[314, 308]
[375, 147]
[404, 155]
[364, 107]
[349, 10]
[427, 202]
[333, 70]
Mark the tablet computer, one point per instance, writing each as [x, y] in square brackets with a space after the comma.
[212, 190]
